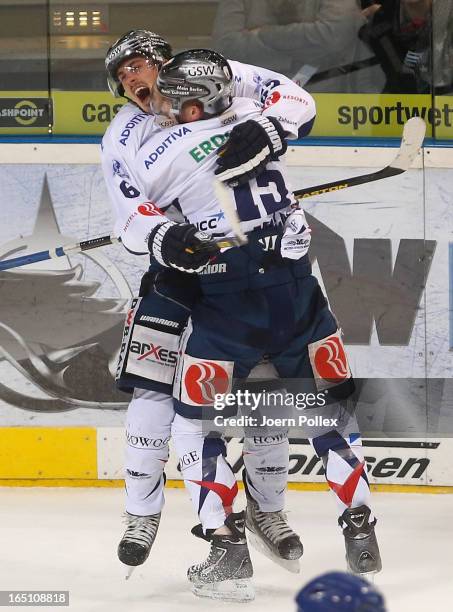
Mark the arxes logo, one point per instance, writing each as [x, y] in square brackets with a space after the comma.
[153, 352]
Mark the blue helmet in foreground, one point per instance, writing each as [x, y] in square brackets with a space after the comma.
[339, 592]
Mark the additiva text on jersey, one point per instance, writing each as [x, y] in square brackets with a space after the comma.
[165, 144]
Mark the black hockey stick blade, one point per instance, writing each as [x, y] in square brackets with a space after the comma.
[412, 140]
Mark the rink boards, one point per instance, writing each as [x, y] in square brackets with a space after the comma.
[79, 456]
[61, 321]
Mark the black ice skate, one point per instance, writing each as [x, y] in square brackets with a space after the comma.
[271, 535]
[226, 573]
[138, 538]
[362, 550]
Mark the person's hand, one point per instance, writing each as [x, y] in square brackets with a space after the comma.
[371, 11]
[249, 148]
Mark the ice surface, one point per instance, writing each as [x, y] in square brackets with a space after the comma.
[66, 539]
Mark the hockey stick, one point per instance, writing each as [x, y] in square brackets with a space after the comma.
[79, 247]
[413, 135]
[412, 140]
[223, 194]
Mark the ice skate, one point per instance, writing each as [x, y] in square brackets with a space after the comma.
[226, 573]
[362, 550]
[138, 539]
[270, 534]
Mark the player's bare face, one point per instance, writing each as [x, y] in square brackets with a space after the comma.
[137, 76]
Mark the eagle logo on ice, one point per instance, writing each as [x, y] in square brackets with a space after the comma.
[59, 330]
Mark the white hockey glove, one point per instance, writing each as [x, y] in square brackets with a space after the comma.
[249, 148]
[296, 236]
[181, 246]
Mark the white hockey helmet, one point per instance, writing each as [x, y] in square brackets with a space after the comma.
[132, 44]
[199, 75]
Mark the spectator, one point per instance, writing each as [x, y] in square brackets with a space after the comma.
[442, 41]
[403, 35]
[315, 40]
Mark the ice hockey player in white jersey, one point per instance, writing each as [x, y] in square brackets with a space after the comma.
[264, 291]
[167, 296]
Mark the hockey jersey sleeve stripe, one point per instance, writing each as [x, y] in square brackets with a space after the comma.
[306, 128]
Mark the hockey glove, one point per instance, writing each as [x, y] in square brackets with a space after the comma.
[249, 148]
[296, 236]
[181, 246]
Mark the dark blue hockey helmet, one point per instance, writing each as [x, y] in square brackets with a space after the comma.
[339, 592]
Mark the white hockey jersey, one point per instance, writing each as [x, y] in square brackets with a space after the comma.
[150, 163]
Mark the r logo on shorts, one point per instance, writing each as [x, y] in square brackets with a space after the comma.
[203, 379]
[329, 362]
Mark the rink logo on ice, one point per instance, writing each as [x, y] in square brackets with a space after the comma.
[152, 354]
[30, 112]
[329, 362]
[203, 380]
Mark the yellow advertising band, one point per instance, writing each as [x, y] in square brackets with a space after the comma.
[339, 115]
[68, 457]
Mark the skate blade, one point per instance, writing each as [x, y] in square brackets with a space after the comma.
[370, 576]
[129, 572]
[292, 566]
[227, 590]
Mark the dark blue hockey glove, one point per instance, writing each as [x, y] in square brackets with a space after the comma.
[181, 246]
